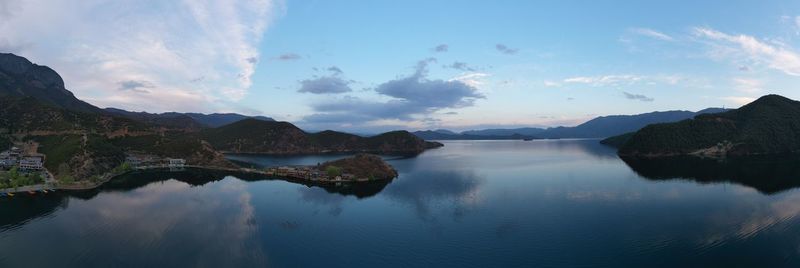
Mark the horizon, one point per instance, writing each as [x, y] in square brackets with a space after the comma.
[478, 66]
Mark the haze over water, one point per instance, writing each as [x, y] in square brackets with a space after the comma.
[468, 204]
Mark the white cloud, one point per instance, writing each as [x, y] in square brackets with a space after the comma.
[471, 79]
[625, 80]
[748, 85]
[97, 44]
[604, 80]
[738, 100]
[652, 34]
[548, 83]
[737, 47]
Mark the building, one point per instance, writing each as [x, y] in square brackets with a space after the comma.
[31, 163]
[134, 161]
[176, 162]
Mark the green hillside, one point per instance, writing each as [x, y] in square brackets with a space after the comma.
[768, 125]
[258, 136]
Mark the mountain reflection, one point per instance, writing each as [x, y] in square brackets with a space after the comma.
[767, 174]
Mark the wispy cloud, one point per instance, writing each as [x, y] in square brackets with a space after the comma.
[638, 97]
[458, 65]
[441, 48]
[548, 83]
[288, 57]
[621, 80]
[604, 80]
[335, 70]
[136, 85]
[472, 79]
[505, 49]
[652, 34]
[738, 100]
[748, 85]
[737, 47]
[325, 85]
[168, 44]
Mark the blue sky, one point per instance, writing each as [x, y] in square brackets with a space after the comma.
[368, 66]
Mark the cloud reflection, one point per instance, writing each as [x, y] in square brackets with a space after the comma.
[424, 190]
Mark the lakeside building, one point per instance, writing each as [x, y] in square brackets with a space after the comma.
[32, 162]
[308, 173]
[14, 158]
[176, 162]
[142, 161]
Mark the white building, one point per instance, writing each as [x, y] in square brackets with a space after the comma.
[176, 162]
[31, 163]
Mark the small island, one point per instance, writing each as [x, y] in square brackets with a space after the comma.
[359, 168]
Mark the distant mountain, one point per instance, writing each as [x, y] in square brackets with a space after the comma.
[21, 78]
[445, 131]
[269, 137]
[769, 125]
[437, 135]
[170, 120]
[191, 121]
[218, 119]
[527, 131]
[599, 127]
[607, 126]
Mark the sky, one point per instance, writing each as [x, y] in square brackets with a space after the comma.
[368, 66]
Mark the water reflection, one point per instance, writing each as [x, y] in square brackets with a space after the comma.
[767, 174]
[421, 190]
[469, 204]
[19, 210]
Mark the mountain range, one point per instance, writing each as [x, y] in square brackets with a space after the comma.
[449, 135]
[186, 120]
[600, 127]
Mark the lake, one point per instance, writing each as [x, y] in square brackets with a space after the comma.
[544, 203]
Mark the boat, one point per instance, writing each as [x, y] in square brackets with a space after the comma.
[10, 194]
[527, 139]
[44, 191]
[31, 192]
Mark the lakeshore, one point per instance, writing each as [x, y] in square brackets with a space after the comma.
[308, 174]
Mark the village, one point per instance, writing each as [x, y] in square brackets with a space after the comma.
[313, 173]
[23, 170]
[146, 161]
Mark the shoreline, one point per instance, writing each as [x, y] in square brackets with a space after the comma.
[211, 168]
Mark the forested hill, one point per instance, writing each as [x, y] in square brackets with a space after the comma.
[768, 125]
[258, 136]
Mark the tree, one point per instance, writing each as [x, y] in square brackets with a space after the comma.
[333, 171]
[13, 173]
[37, 178]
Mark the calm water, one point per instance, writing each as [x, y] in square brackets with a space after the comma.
[468, 204]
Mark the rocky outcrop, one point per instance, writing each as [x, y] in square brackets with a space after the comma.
[21, 78]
